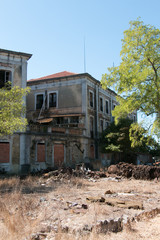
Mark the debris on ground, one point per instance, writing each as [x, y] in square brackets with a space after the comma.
[142, 172]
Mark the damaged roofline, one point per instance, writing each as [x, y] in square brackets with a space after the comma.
[22, 54]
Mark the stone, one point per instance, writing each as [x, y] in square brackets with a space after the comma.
[85, 206]
[110, 226]
[109, 192]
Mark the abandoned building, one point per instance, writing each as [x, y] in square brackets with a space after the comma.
[66, 114]
[13, 68]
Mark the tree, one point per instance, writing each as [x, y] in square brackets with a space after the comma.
[12, 110]
[128, 138]
[137, 78]
[115, 138]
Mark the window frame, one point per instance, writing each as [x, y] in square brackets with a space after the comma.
[114, 105]
[107, 101]
[91, 92]
[40, 93]
[101, 110]
[10, 76]
[54, 92]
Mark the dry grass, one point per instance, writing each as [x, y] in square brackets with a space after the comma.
[35, 205]
[15, 222]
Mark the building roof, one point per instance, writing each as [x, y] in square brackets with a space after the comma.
[55, 75]
[9, 52]
[61, 75]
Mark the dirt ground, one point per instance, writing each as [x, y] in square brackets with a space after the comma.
[76, 208]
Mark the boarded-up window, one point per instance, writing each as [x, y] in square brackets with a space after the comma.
[40, 152]
[58, 154]
[4, 152]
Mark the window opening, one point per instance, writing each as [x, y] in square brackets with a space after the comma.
[91, 99]
[101, 104]
[39, 101]
[5, 76]
[53, 100]
[74, 119]
[107, 107]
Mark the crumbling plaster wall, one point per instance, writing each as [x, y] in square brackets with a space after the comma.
[75, 150]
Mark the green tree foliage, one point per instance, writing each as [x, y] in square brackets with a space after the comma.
[137, 78]
[142, 141]
[116, 137]
[12, 110]
[128, 137]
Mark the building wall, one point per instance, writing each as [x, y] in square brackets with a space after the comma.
[16, 64]
[69, 99]
[68, 145]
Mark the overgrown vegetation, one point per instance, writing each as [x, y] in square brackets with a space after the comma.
[128, 138]
[12, 109]
[137, 78]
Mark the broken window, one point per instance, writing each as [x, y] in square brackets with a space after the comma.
[65, 120]
[5, 76]
[107, 107]
[91, 99]
[114, 105]
[59, 120]
[39, 101]
[53, 99]
[74, 119]
[101, 104]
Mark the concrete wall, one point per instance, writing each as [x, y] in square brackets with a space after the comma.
[16, 64]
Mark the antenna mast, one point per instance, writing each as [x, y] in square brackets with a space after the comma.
[84, 56]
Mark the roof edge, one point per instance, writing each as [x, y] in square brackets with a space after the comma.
[28, 55]
[69, 76]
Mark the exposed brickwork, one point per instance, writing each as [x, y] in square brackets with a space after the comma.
[4, 152]
[40, 152]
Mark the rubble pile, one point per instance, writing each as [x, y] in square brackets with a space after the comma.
[142, 172]
[67, 173]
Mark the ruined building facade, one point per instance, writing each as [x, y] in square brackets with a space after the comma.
[13, 68]
[66, 113]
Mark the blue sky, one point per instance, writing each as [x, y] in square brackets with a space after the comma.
[54, 31]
